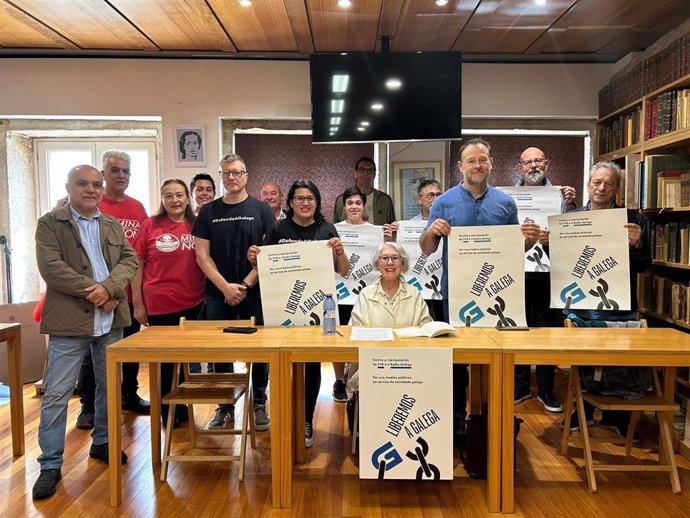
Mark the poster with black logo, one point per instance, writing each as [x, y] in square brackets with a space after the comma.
[359, 242]
[295, 278]
[535, 205]
[590, 265]
[425, 270]
[405, 413]
[486, 278]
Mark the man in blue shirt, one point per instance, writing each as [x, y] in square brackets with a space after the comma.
[472, 203]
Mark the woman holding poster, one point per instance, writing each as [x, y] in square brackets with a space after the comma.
[169, 284]
[304, 222]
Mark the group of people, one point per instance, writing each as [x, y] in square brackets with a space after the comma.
[197, 257]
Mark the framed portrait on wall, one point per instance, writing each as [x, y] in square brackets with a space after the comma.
[406, 177]
[190, 141]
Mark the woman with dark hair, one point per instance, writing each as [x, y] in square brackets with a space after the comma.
[169, 284]
[304, 222]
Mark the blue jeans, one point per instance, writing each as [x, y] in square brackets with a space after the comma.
[65, 355]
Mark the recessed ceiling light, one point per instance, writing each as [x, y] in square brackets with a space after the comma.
[340, 82]
[393, 83]
[337, 106]
[441, 3]
[540, 2]
[245, 3]
[377, 106]
[344, 3]
[364, 123]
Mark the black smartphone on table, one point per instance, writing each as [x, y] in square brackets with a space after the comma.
[243, 330]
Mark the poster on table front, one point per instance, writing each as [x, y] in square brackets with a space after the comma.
[486, 278]
[359, 242]
[590, 265]
[295, 278]
[405, 413]
[535, 205]
[425, 270]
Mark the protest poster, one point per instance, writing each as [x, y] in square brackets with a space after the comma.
[359, 242]
[425, 270]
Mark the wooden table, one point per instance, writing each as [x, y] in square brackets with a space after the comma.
[309, 344]
[660, 347]
[12, 334]
[175, 344]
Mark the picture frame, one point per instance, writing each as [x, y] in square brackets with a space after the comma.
[406, 177]
[190, 145]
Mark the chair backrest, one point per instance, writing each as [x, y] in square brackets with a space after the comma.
[215, 324]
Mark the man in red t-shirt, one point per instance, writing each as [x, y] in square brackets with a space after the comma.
[130, 213]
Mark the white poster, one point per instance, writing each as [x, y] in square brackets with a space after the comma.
[590, 265]
[359, 242]
[535, 205]
[486, 278]
[425, 270]
[406, 413]
[295, 278]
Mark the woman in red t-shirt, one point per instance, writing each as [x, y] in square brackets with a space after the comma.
[169, 283]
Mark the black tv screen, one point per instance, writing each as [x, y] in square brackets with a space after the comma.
[367, 97]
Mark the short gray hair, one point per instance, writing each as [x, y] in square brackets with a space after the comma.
[232, 157]
[114, 153]
[611, 166]
[399, 250]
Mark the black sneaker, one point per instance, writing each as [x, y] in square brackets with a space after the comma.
[549, 401]
[100, 452]
[135, 404]
[575, 422]
[308, 434]
[339, 392]
[46, 484]
[622, 430]
[85, 419]
[521, 394]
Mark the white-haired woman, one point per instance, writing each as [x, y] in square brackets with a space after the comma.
[389, 301]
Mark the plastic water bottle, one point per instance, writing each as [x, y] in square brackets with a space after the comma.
[329, 315]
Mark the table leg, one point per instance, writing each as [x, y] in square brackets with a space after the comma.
[283, 433]
[114, 428]
[669, 394]
[298, 426]
[508, 435]
[494, 431]
[155, 398]
[14, 370]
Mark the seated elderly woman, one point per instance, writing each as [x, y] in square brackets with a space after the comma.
[389, 301]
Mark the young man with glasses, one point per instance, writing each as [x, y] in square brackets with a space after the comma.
[533, 166]
[223, 232]
[379, 210]
[427, 192]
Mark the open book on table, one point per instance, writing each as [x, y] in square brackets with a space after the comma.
[430, 329]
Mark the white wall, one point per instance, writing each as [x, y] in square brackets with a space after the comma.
[201, 91]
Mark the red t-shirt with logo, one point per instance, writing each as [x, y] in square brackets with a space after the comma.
[172, 280]
[130, 213]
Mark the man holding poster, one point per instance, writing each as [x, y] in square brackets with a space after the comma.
[304, 222]
[592, 264]
[472, 203]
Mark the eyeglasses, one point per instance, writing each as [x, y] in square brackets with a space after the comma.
[389, 258]
[237, 173]
[536, 161]
[304, 199]
[116, 170]
[472, 162]
[366, 170]
[432, 195]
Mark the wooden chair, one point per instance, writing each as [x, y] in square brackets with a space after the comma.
[211, 388]
[649, 402]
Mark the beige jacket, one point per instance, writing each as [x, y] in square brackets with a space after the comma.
[372, 308]
[66, 269]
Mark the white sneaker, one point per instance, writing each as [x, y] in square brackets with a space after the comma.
[308, 434]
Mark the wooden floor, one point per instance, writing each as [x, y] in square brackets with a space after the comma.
[547, 484]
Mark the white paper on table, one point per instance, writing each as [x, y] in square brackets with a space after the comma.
[425, 270]
[372, 334]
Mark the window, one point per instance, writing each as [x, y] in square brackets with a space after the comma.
[55, 157]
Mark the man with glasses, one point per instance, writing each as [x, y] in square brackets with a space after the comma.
[472, 203]
[379, 208]
[130, 213]
[427, 192]
[223, 232]
[533, 166]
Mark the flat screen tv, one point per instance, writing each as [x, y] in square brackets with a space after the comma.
[385, 97]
